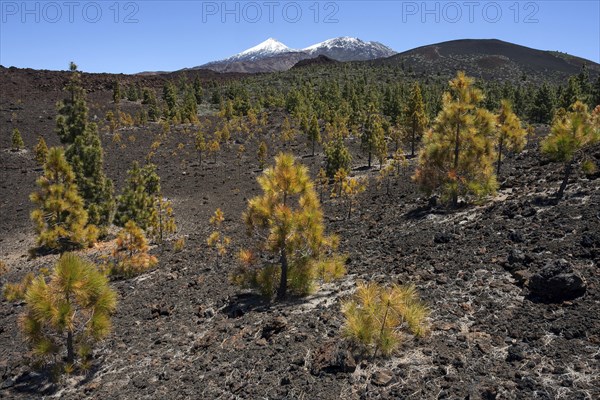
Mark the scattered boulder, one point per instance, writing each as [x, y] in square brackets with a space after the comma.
[273, 327]
[557, 281]
[515, 352]
[442, 237]
[382, 377]
[515, 236]
[333, 357]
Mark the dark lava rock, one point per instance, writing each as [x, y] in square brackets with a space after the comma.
[442, 237]
[556, 282]
[515, 236]
[528, 212]
[273, 327]
[589, 240]
[382, 377]
[332, 357]
[515, 353]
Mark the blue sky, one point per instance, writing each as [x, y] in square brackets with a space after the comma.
[135, 36]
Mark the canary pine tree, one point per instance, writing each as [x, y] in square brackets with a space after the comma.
[162, 221]
[137, 202]
[41, 151]
[261, 155]
[131, 254]
[314, 133]
[71, 310]
[376, 315]
[17, 140]
[217, 239]
[336, 155]
[415, 118]
[84, 153]
[286, 222]
[510, 135]
[570, 137]
[60, 218]
[458, 153]
[351, 188]
[373, 135]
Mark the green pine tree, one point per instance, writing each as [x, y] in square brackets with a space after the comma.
[314, 133]
[85, 154]
[373, 134]
[415, 118]
[60, 218]
[137, 202]
[569, 139]
[17, 140]
[510, 135]
[70, 310]
[41, 151]
[286, 222]
[337, 155]
[458, 153]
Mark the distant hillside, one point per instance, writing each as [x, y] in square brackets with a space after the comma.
[320, 60]
[490, 58]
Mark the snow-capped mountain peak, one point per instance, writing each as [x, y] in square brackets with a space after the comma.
[268, 48]
[335, 42]
[350, 49]
[272, 55]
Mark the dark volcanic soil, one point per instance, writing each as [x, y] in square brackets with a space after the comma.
[182, 331]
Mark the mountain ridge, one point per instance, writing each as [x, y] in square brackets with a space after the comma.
[272, 55]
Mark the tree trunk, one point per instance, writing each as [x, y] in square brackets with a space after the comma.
[369, 158]
[412, 142]
[70, 351]
[282, 291]
[313, 147]
[500, 145]
[456, 153]
[563, 185]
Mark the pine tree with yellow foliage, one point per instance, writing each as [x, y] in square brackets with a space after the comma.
[286, 223]
[72, 309]
[458, 153]
[60, 219]
[510, 135]
[376, 315]
[569, 139]
[217, 239]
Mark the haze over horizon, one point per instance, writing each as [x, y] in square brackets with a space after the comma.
[132, 37]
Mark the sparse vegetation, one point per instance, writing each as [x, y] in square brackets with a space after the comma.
[569, 138]
[376, 316]
[17, 140]
[60, 220]
[289, 215]
[41, 151]
[71, 310]
[217, 239]
[131, 252]
[458, 154]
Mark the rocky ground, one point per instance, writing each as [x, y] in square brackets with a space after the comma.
[512, 283]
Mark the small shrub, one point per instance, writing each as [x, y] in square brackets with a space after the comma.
[16, 291]
[70, 310]
[17, 140]
[41, 151]
[376, 315]
[179, 245]
[217, 239]
[131, 254]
